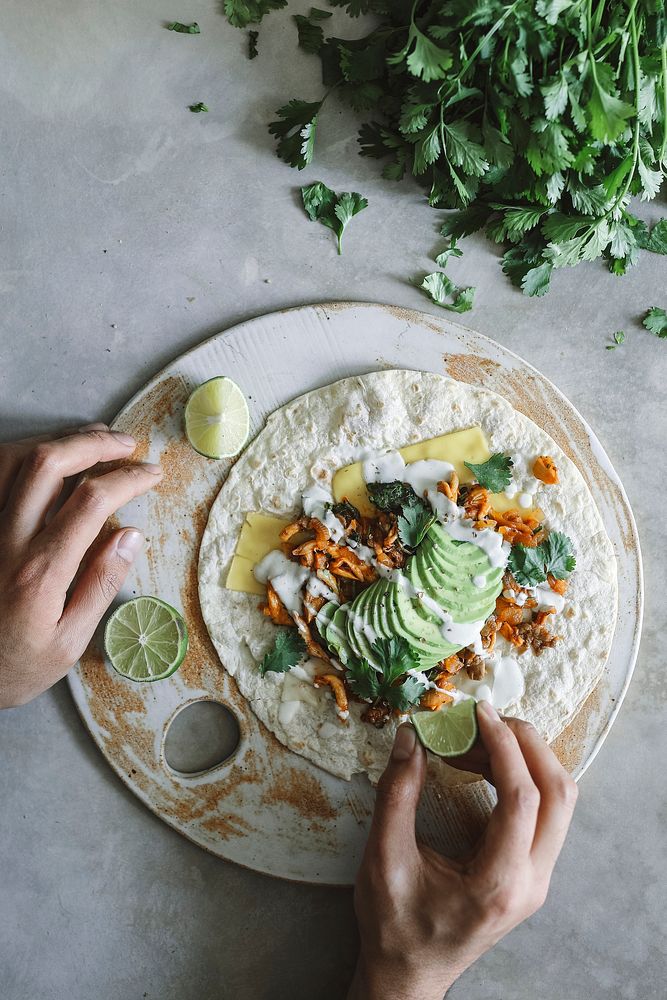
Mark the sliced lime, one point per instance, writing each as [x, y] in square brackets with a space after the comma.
[449, 732]
[216, 418]
[146, 639]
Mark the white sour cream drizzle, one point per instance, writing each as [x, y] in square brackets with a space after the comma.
[479, 580]
[287, 578]
[492, 542]
[548, 598]
[525, 500]
[502, 684]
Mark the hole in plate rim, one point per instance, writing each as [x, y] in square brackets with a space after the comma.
[207, 771]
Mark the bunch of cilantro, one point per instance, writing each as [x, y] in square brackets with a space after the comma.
[537, 120]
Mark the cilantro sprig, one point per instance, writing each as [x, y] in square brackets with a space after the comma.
[391, 684]
[415, 517]
[288, 649]
[530, 566]
[331, 209]
[495, 474]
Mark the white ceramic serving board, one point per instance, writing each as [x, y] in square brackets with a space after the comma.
[265, 807]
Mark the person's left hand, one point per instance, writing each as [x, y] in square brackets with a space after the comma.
[44, 632]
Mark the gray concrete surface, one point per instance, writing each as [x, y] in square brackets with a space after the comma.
[131, 230]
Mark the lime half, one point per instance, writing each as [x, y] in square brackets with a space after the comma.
[146, 639]
[216, 418]
[449, 732]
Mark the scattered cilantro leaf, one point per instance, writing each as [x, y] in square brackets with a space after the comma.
[197, 108]
[657, 241]
[252, 44]
[393, 496]
[184, 29]
[655, 321]
[530, 566]
[295, 132]
[363, 679]
[451, 251]
[331, 209]
[442, 290]
[241, 13]
[310, 34]
[495, 474]
[413, 525]
[288, 649]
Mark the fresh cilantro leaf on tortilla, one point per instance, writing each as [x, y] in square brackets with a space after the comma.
[288, 649]
[413, 524]
[530, 566]
[395, 657]
[392, 496]
[494, 474]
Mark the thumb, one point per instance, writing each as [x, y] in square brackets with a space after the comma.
[96, 587]
[399, 789]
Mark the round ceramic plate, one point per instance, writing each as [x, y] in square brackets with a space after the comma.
[265, 807]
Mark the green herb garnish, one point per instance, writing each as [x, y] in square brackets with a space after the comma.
[530, 566]
[535, 120]
[393, 496]
[241, 13]
[413, 525]
[442, 290]
[288, 649]
[331, 209]
[184, 29]
[295, 132]
[252, 44]
[197, 108]
[495, 474]
[395, 657]
[346, 510]
[619, 338]
[311, 34]
[655, 321]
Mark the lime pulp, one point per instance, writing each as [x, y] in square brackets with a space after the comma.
[216, 418]
[449, 732]
[146, 639]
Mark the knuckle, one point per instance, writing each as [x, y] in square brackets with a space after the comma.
[524, 798]
[30, 575]
[565, 791]
[42, 458]
[109, 581]
[92, 497]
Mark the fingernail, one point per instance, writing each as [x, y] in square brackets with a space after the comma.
[487, 709]
[405, 743]
[129, 544]
[125, 439]
[151, 467]
[93, 427]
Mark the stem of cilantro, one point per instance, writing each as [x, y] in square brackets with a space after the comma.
[635, 142]
[480, 45]
[663, 147]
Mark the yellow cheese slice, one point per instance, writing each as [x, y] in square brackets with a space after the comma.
[261, 532]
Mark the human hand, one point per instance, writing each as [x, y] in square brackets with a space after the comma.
[44, 631]
[423, 918]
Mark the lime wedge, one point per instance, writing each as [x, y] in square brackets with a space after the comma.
[216, 418]
[449, 732]
[146, 639]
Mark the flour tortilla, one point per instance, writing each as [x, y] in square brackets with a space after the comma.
[308, 440]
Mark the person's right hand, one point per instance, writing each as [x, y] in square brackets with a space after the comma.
[44, 632]
[424, 918]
